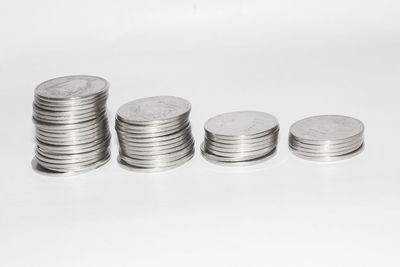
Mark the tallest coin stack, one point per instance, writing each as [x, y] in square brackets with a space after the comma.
[72, 132]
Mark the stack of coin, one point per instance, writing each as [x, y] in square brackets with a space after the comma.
[72, 133]
[154, 133]
[240, 138]
[326, 138]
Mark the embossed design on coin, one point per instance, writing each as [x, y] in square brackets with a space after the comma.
[241, 123]
[327, 128]
[158, 108]
[72, 133]
[240, 138]
[154, 134]
[326, 138]
[72, 87]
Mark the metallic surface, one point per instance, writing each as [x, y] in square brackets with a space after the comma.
[326, 138]
[72, 133]
[240, 138]
[154, 134]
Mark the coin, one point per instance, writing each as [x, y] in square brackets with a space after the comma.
[240, 138]
[221, 161]
[71, 87]
[43, 171]
[327, 137]
[241, 124]
[159, 168]
[72, 133]
[329, 158]
[331, 128]
[157, 150]
[153, 110]
[154, 133]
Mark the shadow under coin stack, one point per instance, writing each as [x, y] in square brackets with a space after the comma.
[240, 138]
[326, 138]
[72, 133]
[154, 134]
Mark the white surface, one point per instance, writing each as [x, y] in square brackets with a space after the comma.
[290, 58]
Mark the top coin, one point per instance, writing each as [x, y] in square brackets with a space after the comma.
[327, 128]
[241, 123]
[154, 109]
[72, 87]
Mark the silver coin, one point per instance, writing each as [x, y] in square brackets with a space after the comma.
[85, 155]
[252, 141]
[154, 110]
[71, 87]
[70, 159]
[331, 144]
[241, 124]
[43, 171]
[166, 138]
[327, 128]
[326, 149]
[63, 133]
[64, 127]
[53, 154]
[67, 120]
[136, 136]
[78, 169]
[240, 138]
[218, 161]
[327, 143]
[326, 138]
[69, 166]
[72, 135]
[156, 159]
[155, 163]
[182, 138]
[70, 107]
[72, 141]
[68, 102]
[238, 150]
[163, 168]
[43, 111]
[329, 158]
[239, 155]
[157, 153]
[229, 159]
[81, 144]
[70, 117]
[157, 150]
[70, 149]
[136, 129]
[77, 141]
[326, 153]
[154, 133]
[71, 104]
[240, 146]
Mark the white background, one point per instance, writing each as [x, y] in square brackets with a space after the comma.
[290, 58]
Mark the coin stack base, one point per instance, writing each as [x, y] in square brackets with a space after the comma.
[154, 134]
[327, 138]
[46, 172]
[240, 138]
[72, 133]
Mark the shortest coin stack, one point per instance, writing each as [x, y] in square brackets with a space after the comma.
[154, 133]
[326, 138]
[240, 138]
